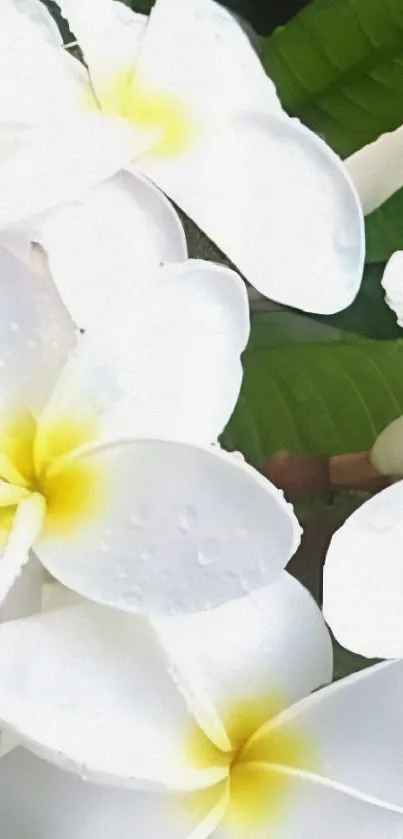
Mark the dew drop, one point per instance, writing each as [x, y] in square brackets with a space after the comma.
[386, 518]
[187, 519]
[133, 594]
[261, 566]
[209, 553]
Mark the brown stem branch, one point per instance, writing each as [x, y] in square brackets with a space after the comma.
[298, 475]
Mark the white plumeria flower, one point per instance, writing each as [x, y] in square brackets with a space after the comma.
[181, 100]
[392, 282]
[106, 467]
[363, 576]
[201, 726]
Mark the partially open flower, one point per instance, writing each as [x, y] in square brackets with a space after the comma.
[181, 100]
[106, 467]
[199, 726]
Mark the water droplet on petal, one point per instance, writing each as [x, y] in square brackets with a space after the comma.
[133, 595]
[385, 517]
[209, 552]
[187, 519]
[262, 566]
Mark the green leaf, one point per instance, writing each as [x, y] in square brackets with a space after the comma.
[142, 6]
[346, 662]
[385, 229]
[339, 67]
[315, 398]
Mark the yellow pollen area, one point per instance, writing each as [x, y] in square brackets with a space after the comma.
[259, 786]
[164, 121]
[6, 523]
[38, 459]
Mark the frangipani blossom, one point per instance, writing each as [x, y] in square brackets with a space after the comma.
[201, 726]
[182, 100]
[106, 467]
[363, 576]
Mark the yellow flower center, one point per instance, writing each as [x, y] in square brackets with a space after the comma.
[38, 459]
[164, 124]
[260, 755]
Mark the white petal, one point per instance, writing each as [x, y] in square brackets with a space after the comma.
[214, 64]
[37, 12]
[363, 578]
[271, 194]
[168, 530]
[392, 281]
[25, 528]
[57, 163]
[355, 731]
[272, 646]
[39, 801]
[387, 451]
[377, 169]
[26, 593]
[102, 248]
[36, 335]
[109, 34]
[167, 362]
[88, 688]
[36, 81]
[311, 808]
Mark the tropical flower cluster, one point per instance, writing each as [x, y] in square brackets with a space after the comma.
[161, 674]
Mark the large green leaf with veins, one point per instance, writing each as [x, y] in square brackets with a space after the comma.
[338, 66]
[329, 394]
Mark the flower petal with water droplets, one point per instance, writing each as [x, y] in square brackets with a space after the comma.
[89, 689]
[165, 534]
